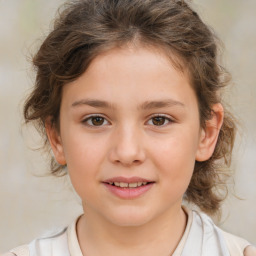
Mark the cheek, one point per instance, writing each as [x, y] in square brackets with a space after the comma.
[175, 160]
[84, 157]
[82, 148]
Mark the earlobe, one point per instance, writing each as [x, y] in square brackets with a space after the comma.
[55, 142]
[209, 135]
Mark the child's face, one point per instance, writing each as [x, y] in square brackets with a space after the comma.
[147, 129]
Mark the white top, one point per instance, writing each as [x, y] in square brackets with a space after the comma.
[201, 238]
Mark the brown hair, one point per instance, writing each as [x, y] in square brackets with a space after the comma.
[85, 28]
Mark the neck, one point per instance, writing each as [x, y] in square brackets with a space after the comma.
[158, 237]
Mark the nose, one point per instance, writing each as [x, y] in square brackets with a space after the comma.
[127, 147]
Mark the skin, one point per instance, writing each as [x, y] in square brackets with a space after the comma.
[129, 142]
[250, 251]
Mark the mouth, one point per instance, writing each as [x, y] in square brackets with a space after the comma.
[128, 185]
[128, 188]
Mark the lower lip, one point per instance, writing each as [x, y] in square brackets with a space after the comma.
[128, 193]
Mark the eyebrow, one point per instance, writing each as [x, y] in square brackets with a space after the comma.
[92, 103]
[160, 104]
[147, 105]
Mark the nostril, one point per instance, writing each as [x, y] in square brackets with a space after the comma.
[126, 163]
[127, 154]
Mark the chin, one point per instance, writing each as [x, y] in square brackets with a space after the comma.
[130, 218]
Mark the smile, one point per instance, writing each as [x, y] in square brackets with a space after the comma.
[128, 188]
[128, 185]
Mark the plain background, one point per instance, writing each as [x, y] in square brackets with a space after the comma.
[31, 205]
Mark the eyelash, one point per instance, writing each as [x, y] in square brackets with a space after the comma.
[89, 118]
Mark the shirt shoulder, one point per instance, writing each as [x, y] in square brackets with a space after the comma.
[236, 243]
[53, 245]
[212, 240]
[18, 251]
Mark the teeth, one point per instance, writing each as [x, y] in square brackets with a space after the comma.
[126, 185]
[133, 185]
[123, 185]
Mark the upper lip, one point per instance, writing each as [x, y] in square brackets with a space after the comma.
[126, 180]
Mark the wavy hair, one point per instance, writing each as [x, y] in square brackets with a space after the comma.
[85, 28]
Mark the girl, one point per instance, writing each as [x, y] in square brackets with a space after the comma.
[128, 97]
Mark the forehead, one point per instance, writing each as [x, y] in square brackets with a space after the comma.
[134, 55]
[142, 49]
[140, 72]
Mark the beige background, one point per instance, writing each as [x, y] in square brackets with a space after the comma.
[31, 205]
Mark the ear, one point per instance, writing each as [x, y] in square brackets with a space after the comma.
[209, 134]
[55, 141]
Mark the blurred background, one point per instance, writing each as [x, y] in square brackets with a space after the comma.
[31, 205]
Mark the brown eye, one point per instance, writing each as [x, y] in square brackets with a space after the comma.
[95, 121]
[159, 120]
